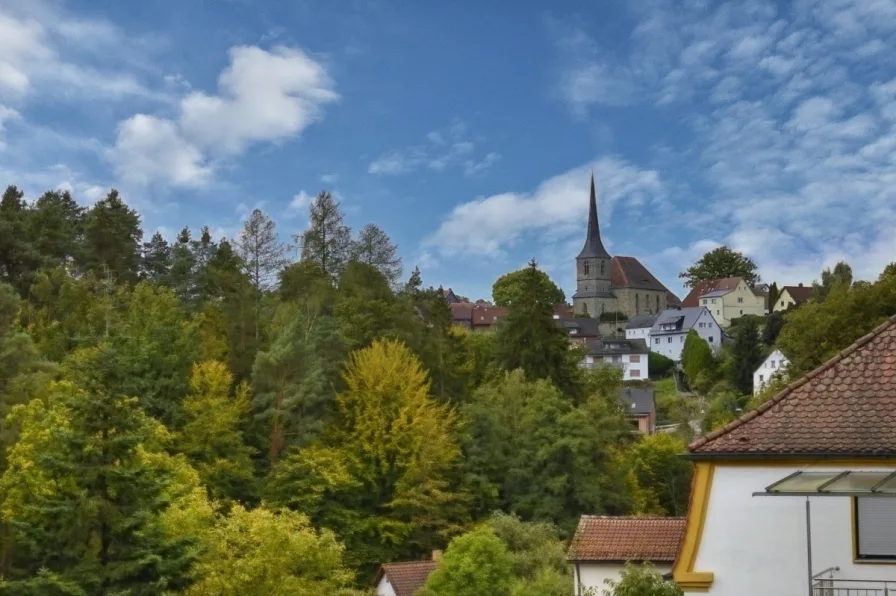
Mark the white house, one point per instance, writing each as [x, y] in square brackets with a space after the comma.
[671, 328]
[602, 546]
[638, 327]
[798, 496]
[628, 354]
[775, 363]
[403, 579]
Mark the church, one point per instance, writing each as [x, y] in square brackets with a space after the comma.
[606, 284]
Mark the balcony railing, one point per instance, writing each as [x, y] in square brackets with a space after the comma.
[827, 585]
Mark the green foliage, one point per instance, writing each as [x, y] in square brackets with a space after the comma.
[697, 360]
[660, 366]
[774, 323]
[719, 263]
[262, 552]
[659, 469]
[746, 355]
[373, 247]
[612, 317]
[840, 277]
[773, 294]
[512, 287]
[112, 238]
[327, 242]
[474, 564]
[538, 556]
[642, 580]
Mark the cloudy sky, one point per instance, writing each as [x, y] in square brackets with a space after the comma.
[467, 130]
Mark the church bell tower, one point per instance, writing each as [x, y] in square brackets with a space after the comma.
[593, 294]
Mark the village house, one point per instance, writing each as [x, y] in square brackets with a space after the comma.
[620, 284]
[628, 354]
[602, 546]
[774, 364]
[638, 327]
[404, 579]
[792, 296]
[799, 495]
[580, 329]
[671, 328]
[727, 299]
[639, 405]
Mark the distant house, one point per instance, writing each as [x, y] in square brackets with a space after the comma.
[669, 331]
[640, 408]
[727, 299]
[451, 297]
[404, 579]
[775, 363]
[603, 545]
[579, 329]
[628, 354]
[485, 316]
[792, 296]
[639, 326]
[462, 314]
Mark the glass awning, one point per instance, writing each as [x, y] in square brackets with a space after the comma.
[834, 484]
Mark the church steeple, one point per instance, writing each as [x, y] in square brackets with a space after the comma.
[593, 245]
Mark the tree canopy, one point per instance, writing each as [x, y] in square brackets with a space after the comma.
[719, 263]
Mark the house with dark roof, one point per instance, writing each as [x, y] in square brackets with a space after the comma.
[798, 496]
[638, 327]
[404, 579]
[792, 296]
[639, 407]
[727, 299]
[603, 545]
[628, 354]
[606, 283]
[580, 329]
[670, 330]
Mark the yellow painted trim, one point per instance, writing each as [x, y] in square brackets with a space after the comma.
[853, 519]
[683, 570]
[800, 463]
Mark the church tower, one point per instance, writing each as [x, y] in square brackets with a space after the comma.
[593, 294]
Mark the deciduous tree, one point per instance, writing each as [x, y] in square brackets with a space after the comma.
[374, 247]
[263, 256]
[475, 563]
[719, 263]
[512, 287]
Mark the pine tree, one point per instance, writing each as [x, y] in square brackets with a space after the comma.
[746, 354]
[263, 256]
[374, 247]
[112, 238]
[84, 501]
[18, 257]
[155, 265]
[56, 227]
[327, 241]
[181, 277]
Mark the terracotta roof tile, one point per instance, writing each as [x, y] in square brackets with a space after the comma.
[406, 578]
[710, 285]
[844, 407]
[628, 272]
[621, 539]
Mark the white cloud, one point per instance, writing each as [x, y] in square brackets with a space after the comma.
[150, 148]
[6, 114]
[301, 201]
[442, 150]
[555, 211]
[329, 178]
[265, 96]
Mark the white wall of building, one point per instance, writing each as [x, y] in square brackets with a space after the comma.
[668, 344]
[384, 588]
[757, 545]
[671, 344]
[762, 375]
[593, 575]
[634, 366]
[639, 333]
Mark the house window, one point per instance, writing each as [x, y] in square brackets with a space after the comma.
[586, 268]
[761, 379]
[740, 300]
[656, 341]
[681, 338]
[669, 340]
[710, 339]
[634, 358]
[875, 525]
[773, 364]
[713, 300]
[741, 311]
[704, 301]
[782, 303]
[636, 372]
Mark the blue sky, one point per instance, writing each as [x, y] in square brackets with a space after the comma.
[467, 130]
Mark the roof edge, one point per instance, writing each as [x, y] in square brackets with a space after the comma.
[793, 386]
[819, 455]
[620, 561]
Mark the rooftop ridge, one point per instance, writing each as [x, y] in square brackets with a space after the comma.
[784, 393]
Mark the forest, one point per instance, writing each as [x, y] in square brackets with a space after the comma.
[210, 416]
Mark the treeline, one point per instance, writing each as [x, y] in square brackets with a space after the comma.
[208, 417]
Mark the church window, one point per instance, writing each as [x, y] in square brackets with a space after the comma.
[585, 307]
[637, 304]
[657, 303]
[602, 308]
[586, 266]
[601, 267]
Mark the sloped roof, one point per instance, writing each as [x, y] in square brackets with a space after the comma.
[687, 317]
[486, 314]
[607, 347]
[799, 294]
[628, 272]
[672, 300]
[406, 578]
[710, 285]
[640, 400]
[641, 321]
[844, 407]
[593, 245]
[461, 311]
[621, 539]
[583, 326]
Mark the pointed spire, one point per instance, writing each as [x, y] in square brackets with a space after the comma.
[593, 245]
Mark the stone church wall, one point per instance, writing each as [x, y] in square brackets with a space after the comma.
[646, 301]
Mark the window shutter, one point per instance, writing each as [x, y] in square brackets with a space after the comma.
[876, 526]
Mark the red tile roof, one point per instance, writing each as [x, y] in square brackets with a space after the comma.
[620, 539]
[710, 285]
[672, 300]
[406, 578]
[844, 407]
[799, 294]
[628, 272]
[461, 311]
[486, 315]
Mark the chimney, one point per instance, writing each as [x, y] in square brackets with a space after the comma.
[801, 284]
[436, 555]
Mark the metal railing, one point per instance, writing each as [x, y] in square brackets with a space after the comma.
[827, 585]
